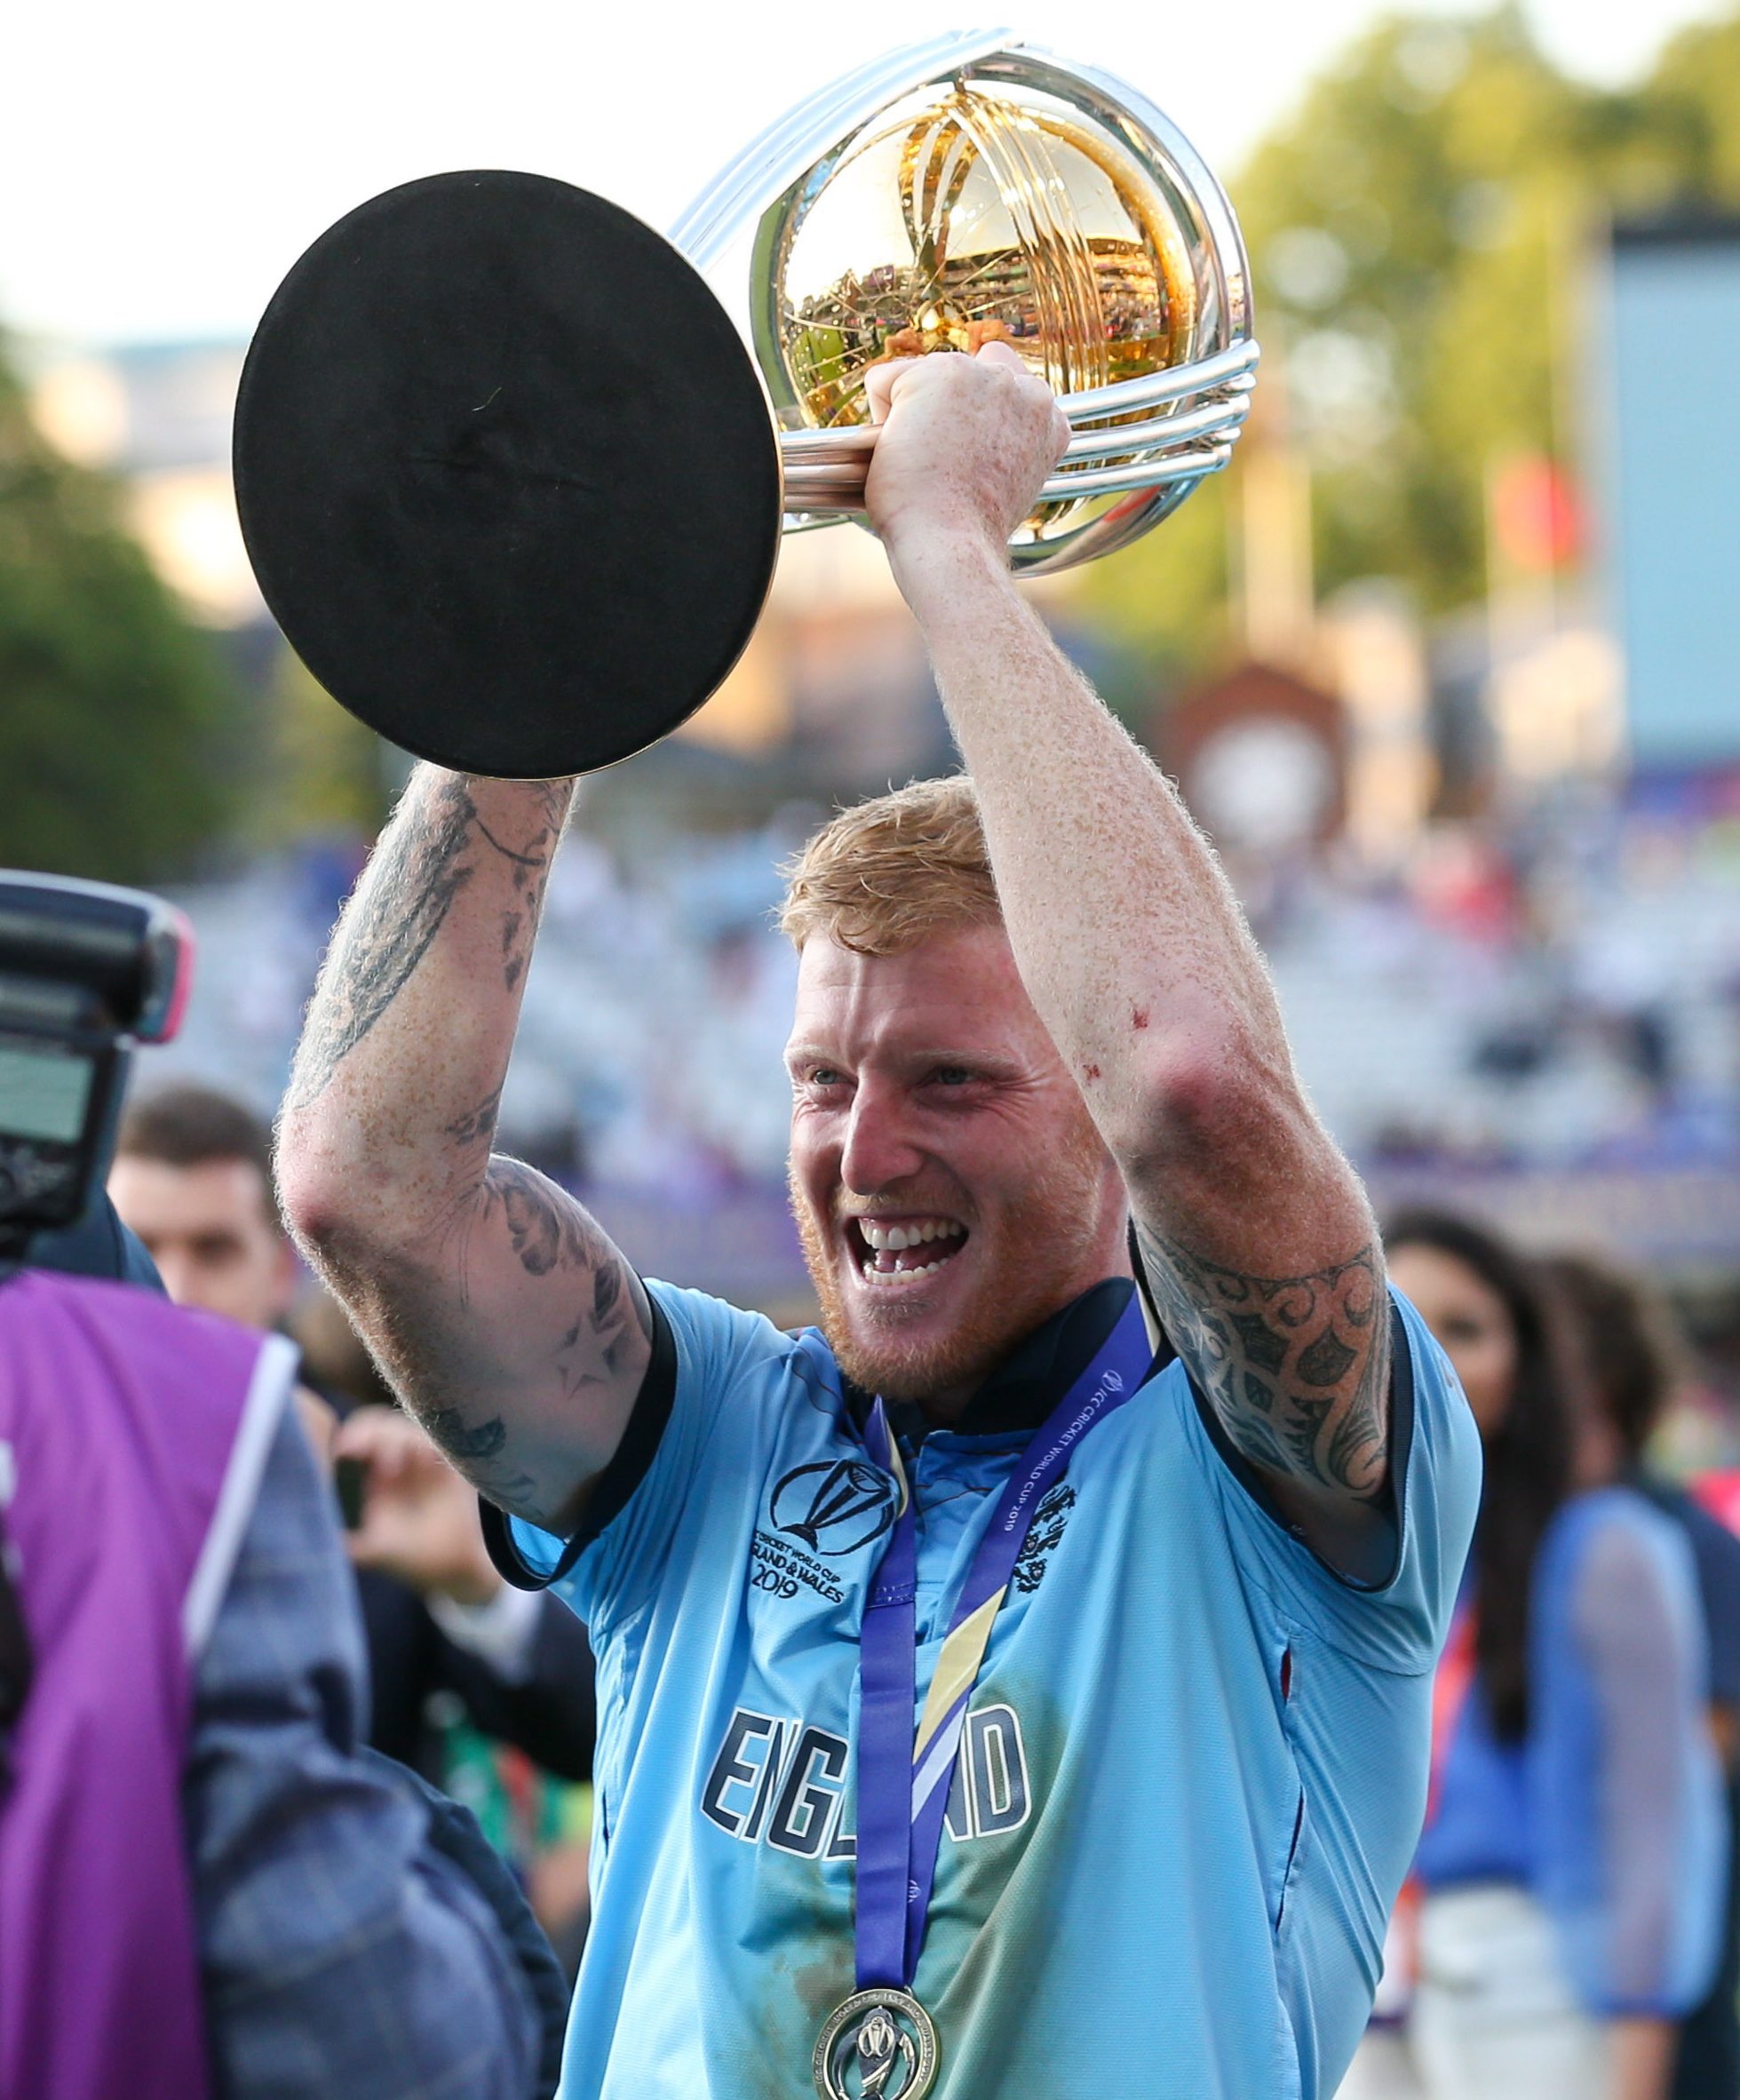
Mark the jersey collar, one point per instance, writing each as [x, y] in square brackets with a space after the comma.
[1023, 1391]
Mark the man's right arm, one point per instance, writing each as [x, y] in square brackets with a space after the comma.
[504, 1316]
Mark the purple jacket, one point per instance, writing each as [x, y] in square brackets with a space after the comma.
[132, 1436]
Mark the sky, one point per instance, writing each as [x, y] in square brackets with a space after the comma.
[162, 165]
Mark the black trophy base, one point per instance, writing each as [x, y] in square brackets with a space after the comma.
[506, 474]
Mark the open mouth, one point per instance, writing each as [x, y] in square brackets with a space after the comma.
[893, 1253]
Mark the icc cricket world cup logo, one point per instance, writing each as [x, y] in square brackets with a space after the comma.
[835, 1505]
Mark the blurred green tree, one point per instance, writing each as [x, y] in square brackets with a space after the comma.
[1419, 233]
[1680, 134]
[113, 706]
[325, 772]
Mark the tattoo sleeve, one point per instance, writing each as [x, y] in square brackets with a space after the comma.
[502, 1314]
[1297, 1367]
[576, 1334]
[433, 853]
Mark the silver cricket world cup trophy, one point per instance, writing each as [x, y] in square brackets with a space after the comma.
[969, 189]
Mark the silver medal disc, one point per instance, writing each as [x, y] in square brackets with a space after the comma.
[879, 2045]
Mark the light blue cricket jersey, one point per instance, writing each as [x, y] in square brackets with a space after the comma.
[1192, 1780]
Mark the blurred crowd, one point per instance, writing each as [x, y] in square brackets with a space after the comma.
[1559, 989]
[1570, 1924]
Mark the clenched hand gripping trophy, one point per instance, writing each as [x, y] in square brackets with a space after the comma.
[513, 469]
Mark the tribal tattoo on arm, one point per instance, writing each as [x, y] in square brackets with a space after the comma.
[1297, 1368]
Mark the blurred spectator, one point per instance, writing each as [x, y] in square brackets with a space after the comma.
[1628, 1359]
[193, 1177]
[335, 1359]
[206, 1885]
[1572, 1867]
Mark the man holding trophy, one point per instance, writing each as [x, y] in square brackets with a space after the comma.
[1022, 1686]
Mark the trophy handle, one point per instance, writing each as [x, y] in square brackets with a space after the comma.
[824, 471]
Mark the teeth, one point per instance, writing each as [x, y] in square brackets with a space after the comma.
[894, 1239]
[872, 1274]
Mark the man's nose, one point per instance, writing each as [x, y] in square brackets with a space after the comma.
[880, 1149]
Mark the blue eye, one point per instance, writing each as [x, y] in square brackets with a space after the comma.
[952, 1075]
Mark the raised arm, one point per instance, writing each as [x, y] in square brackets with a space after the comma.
[1255, 1233]
[505, 1318]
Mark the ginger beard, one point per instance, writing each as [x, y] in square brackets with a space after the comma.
[1032, 1256]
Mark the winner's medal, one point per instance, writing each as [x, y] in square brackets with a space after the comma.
[881, 2044]
[890, 2040]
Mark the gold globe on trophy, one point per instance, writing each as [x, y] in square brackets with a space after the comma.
[971, 189]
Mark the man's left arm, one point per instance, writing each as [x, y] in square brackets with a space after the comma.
[1260, 1245]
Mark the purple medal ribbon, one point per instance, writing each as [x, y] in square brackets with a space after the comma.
[903, 1789]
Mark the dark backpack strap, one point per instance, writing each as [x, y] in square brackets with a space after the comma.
[15, 1659]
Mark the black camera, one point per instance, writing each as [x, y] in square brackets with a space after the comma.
[86, 972]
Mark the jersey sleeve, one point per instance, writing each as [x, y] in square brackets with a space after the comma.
[1400, 1623]
[614, 1565]
[1632, 1850]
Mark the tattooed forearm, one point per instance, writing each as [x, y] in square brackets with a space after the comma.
[431, 855]
[543, 1228]
[1296, 1367]
[409, 893]
[580, 1328]
[477, 1449]
[465, 1442]
[530, 870]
